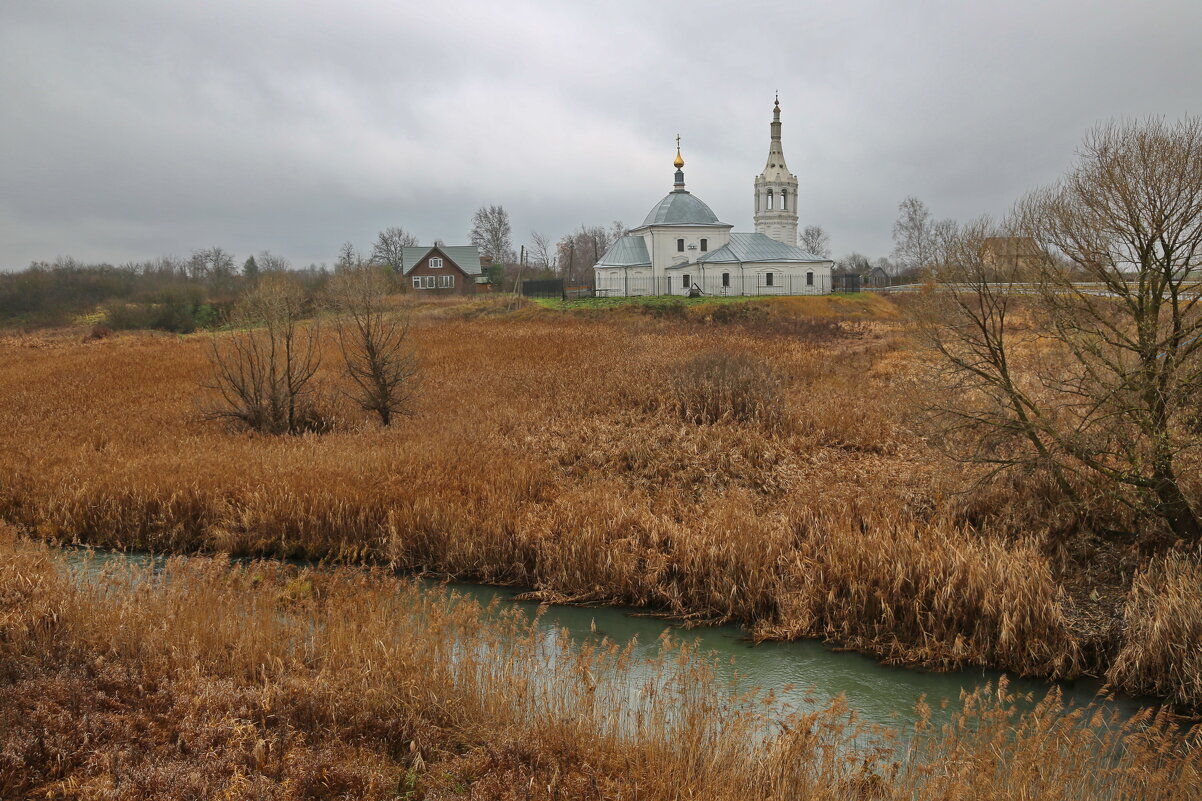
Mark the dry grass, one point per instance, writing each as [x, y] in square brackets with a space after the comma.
[1162, 652]
[206, 680]
[545, 451]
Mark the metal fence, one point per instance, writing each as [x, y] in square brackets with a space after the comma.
[711, 284]
[543, 288]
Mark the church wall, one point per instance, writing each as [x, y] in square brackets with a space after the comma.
[662, 244]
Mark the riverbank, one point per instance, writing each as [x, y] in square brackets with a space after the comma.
[265, 681]
[564, 451]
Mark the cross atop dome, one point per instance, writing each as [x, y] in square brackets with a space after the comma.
[678, 163]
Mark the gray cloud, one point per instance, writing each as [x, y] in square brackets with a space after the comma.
[135, 128]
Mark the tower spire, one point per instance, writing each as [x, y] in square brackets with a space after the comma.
[776, 189]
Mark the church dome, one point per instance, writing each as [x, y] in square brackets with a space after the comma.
[681, 208]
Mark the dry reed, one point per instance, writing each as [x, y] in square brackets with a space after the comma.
[544, 452]
[201, 679]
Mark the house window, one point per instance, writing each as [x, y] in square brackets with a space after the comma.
[680, 246]
[446, 281]
[769, 200]
[725, 279]
[417, 282]
[426, 281]
[809, 279]
[705, 245]
[769, 279]
[784, 200]
[684, 281]
[435, 262]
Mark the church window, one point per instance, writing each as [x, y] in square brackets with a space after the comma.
[680, 246]
[769, 279]
[784, 200]
[809, 279]
[684, 281]
[725, 279]
[769, 200]
[705, 245]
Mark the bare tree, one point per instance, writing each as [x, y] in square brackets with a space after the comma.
[269, 262]
[1101, 381]
[543, 254]
[389, 248]
[374, 343]
[854, 262]
[348, 257]
[263, 369]
[492, 234]
[579, 251]
[815, 240]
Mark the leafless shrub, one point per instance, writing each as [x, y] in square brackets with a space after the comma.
[263, 369]
[720, 386]
[373, 340]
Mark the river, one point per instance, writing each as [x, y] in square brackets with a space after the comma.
[803, 675]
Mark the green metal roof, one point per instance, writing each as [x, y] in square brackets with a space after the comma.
[466, 257]
[749, 248]
[628, 251]
[681, 208]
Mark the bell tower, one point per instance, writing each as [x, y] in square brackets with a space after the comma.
[776, 191]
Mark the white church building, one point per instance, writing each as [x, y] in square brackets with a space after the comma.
[682, 248]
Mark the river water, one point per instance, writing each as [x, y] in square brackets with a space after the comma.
[803, 675]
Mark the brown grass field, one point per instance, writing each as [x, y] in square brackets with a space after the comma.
[264, 681]
[570, 452]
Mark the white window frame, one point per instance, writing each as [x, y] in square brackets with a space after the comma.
[417, 282]
[446, 282]
[435, 263]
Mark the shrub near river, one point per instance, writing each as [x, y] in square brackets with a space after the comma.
[577, 454]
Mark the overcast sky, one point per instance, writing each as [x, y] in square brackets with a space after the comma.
[131, 129]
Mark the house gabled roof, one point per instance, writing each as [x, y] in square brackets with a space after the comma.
[465, 257]
[628, 251]
[751, 248]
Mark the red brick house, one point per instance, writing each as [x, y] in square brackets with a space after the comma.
[444, 270]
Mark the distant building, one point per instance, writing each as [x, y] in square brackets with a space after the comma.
[444, 270]
[1010, 253]
[875, 276]
[682, 248]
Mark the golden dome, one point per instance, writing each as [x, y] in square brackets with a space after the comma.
[679, 161]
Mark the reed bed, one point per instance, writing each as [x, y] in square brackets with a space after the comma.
[202, 679]
[1162, 652]
[554, 451]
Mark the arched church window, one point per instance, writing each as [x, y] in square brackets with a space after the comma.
[705, 245]
[769, 200]
[725, 279]
[809, 279]
[784, 200]
[680, 246]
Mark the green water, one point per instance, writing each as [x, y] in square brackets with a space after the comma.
[803, 674]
